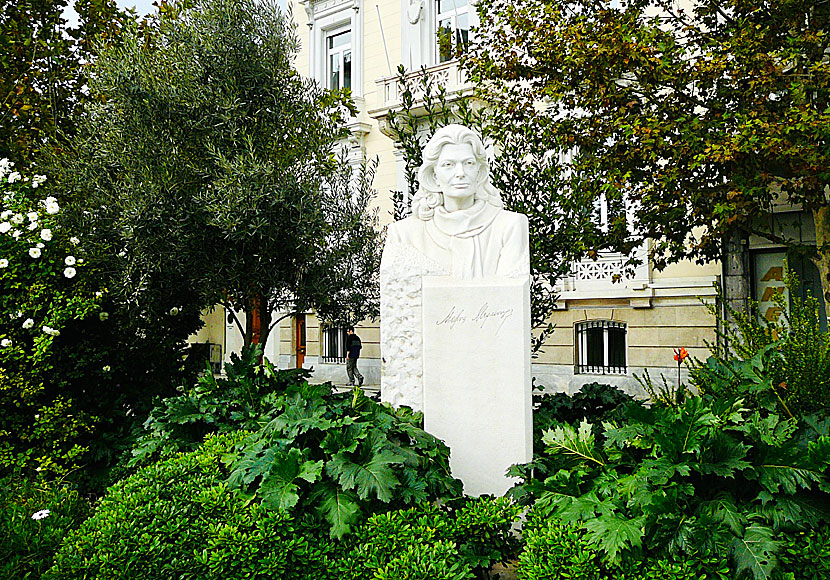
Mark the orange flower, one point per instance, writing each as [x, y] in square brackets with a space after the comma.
[680, 354]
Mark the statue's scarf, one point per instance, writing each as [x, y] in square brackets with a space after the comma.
[458, 232]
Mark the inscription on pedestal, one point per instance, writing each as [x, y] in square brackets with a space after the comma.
[477, 377]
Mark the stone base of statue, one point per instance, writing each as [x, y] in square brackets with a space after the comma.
[476, 376]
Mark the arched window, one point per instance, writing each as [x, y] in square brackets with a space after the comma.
[601, 347]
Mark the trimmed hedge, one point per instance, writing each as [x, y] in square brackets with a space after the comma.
[177, 519]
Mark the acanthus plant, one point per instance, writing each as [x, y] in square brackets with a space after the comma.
[704, 477]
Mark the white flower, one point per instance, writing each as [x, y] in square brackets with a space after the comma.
[80, 260]
[51, 331]
[41, 514]
[106, 368]
[34, 252]
[46, 234]
[174, 311]
[14, 176]
[51, 205]
[69, 260]
[5, 215]
[32, 226]
[17, 219]
[16, 234]
[4, 263]
[38, 179]
[5, 343]
[5, 227]
[32, 215]
[103, 316]
[40, 245]
[74, 241]
[28, 323]
[69, 272]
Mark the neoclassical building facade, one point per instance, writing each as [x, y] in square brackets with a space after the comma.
[606, 331]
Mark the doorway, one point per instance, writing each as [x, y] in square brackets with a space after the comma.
[299, 339]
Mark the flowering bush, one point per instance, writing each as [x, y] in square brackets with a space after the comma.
[43, 289]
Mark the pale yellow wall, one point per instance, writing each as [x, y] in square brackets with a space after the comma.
[652, 335]
[687, 269]
[214, 329]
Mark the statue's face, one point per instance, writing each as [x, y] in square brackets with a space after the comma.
[457, 173]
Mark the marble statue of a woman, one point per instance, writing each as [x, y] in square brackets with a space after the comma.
[458, 228]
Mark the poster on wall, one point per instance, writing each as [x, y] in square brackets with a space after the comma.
[769, 281]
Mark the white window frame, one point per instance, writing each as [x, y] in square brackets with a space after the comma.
[419, 43]
[581, 340]
[326, 19]
[340, 53]
[452, 15]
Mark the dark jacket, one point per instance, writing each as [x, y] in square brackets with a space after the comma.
[353, 346]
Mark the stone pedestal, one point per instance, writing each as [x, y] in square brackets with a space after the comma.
[477, 381]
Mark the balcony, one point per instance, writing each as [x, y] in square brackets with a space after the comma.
[389, 89]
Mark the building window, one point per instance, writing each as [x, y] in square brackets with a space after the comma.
[334, 344]
[608, 210]
[601, 348]
[339, 59]
[453, 17]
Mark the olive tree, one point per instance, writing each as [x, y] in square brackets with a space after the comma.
[207, 169]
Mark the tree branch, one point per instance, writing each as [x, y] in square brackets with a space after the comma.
[229, 308]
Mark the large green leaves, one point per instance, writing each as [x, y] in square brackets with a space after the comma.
[701, 477]
[375, 475]
[340, 457]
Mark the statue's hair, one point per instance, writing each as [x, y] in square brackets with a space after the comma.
[429, 195]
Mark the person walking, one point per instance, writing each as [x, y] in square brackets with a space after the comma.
[353, 346]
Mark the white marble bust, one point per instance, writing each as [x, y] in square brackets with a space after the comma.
[458, 221]
[459, 228]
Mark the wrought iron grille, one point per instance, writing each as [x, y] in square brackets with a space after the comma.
[601, 347]
[334, 344]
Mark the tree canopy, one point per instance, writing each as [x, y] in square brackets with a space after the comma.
[690, 120]
[42, 60]
[206, 168]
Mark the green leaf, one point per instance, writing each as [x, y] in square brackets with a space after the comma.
[301, 415]
[578, 443]
[374, 475]
[339, 508]
[755, 552]
[723, 510]
[615, 534]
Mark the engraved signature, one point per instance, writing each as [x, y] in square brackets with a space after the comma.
[457, 316]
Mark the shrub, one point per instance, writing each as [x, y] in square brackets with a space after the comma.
[705, 477]
[341, 457]
[780, 365]
[34, 518]
[429, 542]
[805, 555]
[44, 287]
[177, 519]
[248, 392]
[555, 550]
[595, 402]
